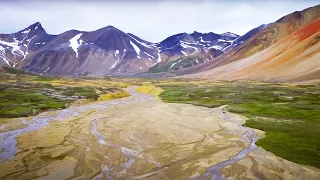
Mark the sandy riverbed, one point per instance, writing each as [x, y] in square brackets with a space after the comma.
[142, 138]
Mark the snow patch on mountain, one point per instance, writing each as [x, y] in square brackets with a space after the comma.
[116, 53]
[142, 43]
[210, 56]
[223, 40]
[231, 43]
[11, 44]
[148, 54]
[114, 64]
[26, 31]
[184, 53]
[184, 45]
[216, 47]
[40, 43]
[2, 55]
[159, 57]
[136, 48]
[27, 46]
[46, 70]
[18, 48]
[74, 44]
[230, 34]
[203, 41]
[172, 65]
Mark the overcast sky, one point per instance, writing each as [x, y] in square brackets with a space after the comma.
[152, 20]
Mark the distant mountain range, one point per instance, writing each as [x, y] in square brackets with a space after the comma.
[110, 51]
[105, 51]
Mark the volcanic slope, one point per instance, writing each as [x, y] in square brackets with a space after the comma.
[261, 40]
[294, 57]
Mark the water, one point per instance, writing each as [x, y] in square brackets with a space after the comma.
[249, 136]
[8, 142]
[129, 153]
[7, 139]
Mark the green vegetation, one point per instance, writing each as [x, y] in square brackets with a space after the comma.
[25, 99]
[23, 102]
[15, 71]
[44, 78]
[24, 94]
[290, 115]
[85, 92]
[181, 62]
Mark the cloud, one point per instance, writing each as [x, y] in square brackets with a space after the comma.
[150, 20]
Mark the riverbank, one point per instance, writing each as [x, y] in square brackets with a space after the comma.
[25, 95]
[288, 113]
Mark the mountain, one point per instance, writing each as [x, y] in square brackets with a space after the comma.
[183, 44]
[262, 39]
[104, 51]
[249, 34]
[15, 47]
[110, 51]
[293, 58]
[275, 31]
[186, 50]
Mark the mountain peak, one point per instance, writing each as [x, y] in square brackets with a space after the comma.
[110, 26]
[230, 34]
[196, 33]
[33, 27]
[108, 29]
[36, 26]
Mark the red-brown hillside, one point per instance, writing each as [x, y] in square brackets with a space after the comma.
[295, 57]
[262, 40]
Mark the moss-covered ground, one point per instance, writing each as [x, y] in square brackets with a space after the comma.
[24, 94]
[289, 114]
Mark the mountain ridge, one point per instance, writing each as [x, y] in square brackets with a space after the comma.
[136, 55]
[260, 41]
[292, 58]
[110, 51]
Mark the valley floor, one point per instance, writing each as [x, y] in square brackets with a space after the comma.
[138, 137]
